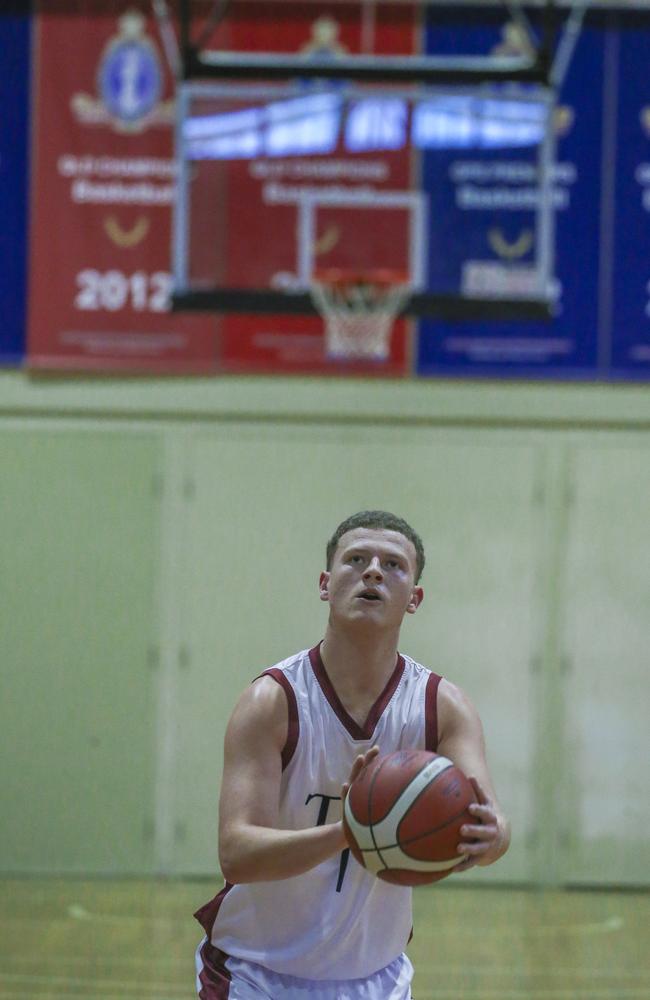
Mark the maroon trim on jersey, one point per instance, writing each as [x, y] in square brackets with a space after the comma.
[356, 731]
[431, 713]
[214, 976]
[207, 914]
[293, 730]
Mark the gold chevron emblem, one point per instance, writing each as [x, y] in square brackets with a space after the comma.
[126, 237]
[510, 250]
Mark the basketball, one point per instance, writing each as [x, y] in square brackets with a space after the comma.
[403, 814]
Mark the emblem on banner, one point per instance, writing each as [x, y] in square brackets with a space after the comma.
[514, 41]
[129, 82]
[510, 249]
[123, 237]
[324, 39]
[323, 43]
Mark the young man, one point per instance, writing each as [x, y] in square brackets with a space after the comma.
[298, 917]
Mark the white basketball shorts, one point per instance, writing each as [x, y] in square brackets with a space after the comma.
[222, 977]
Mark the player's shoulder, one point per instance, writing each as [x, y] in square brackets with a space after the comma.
[291, 674]
[265, 709]
[267, 694]
[259, 701]
[454, 695]
[260, 711]
[455, 707]
[417, 670]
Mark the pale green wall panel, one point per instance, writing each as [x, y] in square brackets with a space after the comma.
[484, 612]
[605, 795]
[111, 754]
[78, 550]
[261, 505]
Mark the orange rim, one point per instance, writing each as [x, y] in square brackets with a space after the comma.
[341, 278]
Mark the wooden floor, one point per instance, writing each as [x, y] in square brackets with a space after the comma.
[117, 940]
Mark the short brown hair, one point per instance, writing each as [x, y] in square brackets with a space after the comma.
[380, 520]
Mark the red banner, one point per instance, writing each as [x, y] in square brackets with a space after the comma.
[290, 343]
[103, 188]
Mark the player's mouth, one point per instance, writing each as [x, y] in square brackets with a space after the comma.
[369, 595]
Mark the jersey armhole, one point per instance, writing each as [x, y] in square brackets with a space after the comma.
[293, 729]
[431, 713]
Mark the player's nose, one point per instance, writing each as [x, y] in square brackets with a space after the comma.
[373, 570]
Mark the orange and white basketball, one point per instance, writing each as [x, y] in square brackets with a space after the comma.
[403, 814]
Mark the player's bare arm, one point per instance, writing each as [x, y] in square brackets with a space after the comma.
[461, 739]
[251, 847]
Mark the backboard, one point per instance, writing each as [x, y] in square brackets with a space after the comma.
[330, 144]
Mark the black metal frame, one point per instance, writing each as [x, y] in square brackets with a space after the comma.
[443, 307]
[368, 69]
[200, 64]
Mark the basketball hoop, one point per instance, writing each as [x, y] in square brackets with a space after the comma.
[359, 308]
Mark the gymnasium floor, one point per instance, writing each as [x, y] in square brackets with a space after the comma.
[77, 940]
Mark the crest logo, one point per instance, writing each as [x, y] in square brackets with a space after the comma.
[129, 82]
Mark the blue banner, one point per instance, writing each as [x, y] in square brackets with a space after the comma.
[14, 131]
[628, 350]
[461, 183]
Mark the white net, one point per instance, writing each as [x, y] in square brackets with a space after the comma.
[359, 312]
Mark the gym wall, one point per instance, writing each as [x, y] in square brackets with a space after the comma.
[161, 543]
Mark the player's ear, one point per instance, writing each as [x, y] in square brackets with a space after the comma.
[323, 586]
[417, 596]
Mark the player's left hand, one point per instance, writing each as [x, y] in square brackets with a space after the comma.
[483, 841]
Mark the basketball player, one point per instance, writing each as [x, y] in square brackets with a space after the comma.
[298, 916]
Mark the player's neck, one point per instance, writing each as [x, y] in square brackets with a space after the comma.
[355, 659]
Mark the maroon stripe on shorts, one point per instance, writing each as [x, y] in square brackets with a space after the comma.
[431, 713]
[293, 730]
[214, 976]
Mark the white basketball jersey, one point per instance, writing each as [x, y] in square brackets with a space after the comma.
[336, 921]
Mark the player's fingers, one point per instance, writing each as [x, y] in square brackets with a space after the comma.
[485, 814]
[482, 832]
[464, 865]
[361, 761]
[364, 759]
[473, 849]
[357, 767]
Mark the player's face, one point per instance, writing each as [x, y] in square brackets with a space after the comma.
[372, 578]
